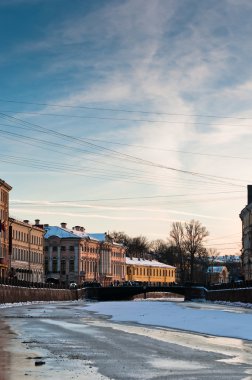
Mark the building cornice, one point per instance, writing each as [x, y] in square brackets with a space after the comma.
[5, 184]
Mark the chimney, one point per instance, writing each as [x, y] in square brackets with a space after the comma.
[63, 225]
[76, 228]
[46, 225]
[37, 222]
[249, 187]
[26, 221]
[82, 229]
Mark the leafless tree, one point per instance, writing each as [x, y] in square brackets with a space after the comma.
[188, 238]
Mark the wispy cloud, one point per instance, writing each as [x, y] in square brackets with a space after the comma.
[182, 60]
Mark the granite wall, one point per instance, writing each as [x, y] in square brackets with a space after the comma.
[10, 294]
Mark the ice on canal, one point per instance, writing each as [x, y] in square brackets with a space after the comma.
[224, 321]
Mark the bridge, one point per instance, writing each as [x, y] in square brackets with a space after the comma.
[231, 292]
[115, 293]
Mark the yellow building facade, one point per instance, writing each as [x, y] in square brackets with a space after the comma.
[27, 250]
[151, 272]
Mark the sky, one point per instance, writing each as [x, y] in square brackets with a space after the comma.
[128, 115]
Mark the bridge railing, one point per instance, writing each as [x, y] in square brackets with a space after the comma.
[230, 285]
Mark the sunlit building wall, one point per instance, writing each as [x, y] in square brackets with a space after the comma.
[149, 271]
[27, 251]
[4, 228]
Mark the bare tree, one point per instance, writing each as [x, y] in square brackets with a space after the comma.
[194, 236]
[120, 237]
[136, 246]
[164, 252]
[177, 240]
[188, 239]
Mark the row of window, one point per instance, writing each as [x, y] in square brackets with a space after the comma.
[117, 254]
[86, 266]
[24, 255]
[151, 272]
[22, 236]
[70, 248]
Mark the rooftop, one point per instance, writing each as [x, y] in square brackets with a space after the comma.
[152, 263]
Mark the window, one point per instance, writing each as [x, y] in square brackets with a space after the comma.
[63, 248]
[54, 249]
[63, 266]
[46, 266]
[54, 265]
[71, 248]
[71, 265]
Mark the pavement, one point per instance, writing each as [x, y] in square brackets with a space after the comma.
[63, 341]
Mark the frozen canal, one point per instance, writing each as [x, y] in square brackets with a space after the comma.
[125, 340]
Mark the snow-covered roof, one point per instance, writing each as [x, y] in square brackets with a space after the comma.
[98, 236]
[103, 237]
[65, 233]
[228, 258]
[149, 263]
[216, 269]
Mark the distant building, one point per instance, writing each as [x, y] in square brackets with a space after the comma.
[26, 250]
[72, 255]
[228, 259]
[149, 271]
[4, 228]
[246, 218]
[217, 275]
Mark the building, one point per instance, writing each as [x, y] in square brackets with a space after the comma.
[246, 218]
[233, 264]
[149, 271]
[72, 255]
[4, 228]
[27, 250]
[217, 275]
[112, 268]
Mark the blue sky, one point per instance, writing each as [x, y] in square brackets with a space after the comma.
[127, 115]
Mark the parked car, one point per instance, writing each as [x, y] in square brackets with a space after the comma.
[52, 281]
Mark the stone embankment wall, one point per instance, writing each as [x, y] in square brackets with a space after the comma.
[10, 294]
[243, 295]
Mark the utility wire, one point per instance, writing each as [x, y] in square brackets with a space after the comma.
[122, 110]
[121, 155]
[118, 119]
[141, 197]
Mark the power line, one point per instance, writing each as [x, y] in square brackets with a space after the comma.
[142, 146]
[116, 118]
[135, 145]
[121, 110]
[120, 155]
[132, 173]
[141, 197]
